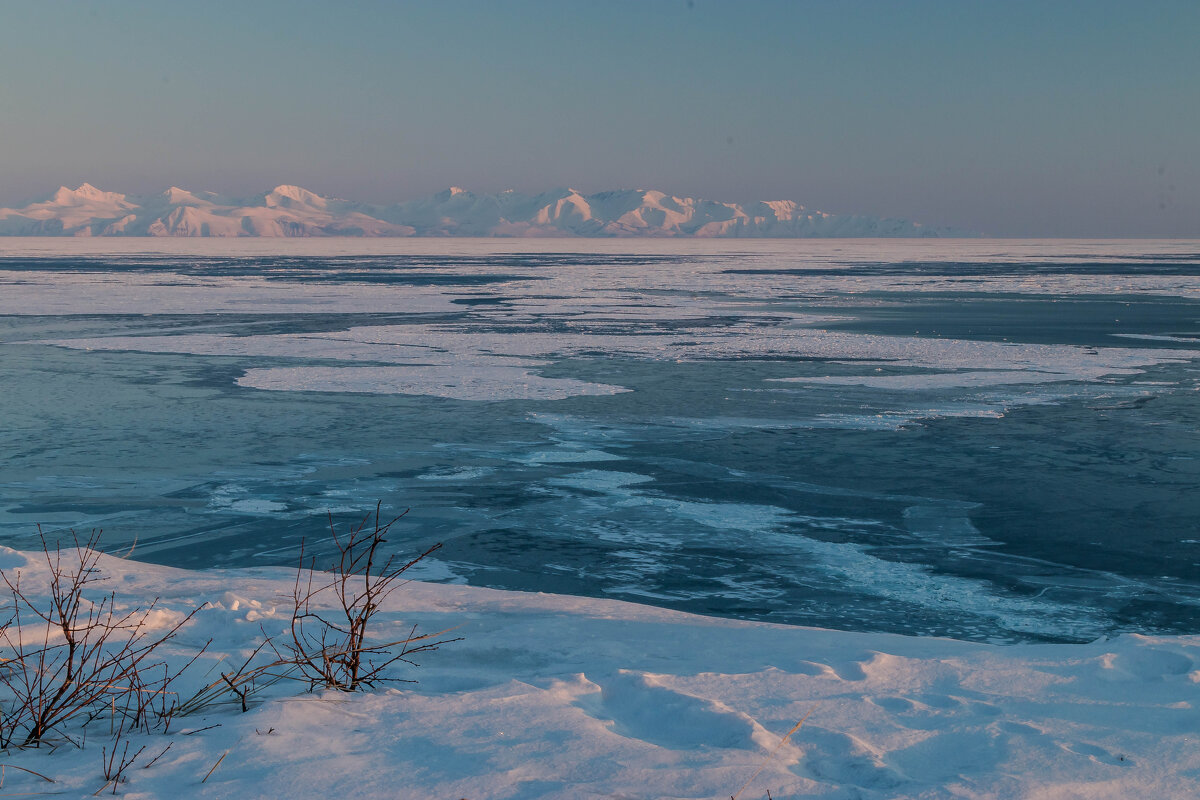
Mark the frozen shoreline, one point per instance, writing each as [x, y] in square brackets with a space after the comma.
[551, 696]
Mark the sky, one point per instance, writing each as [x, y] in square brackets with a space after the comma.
[1011, 118]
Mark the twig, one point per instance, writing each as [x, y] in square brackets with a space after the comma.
[201, 730]
[771, 754]
[157, 757]
[5, 767]
[241, 693]
[129, 552]
[214, 766]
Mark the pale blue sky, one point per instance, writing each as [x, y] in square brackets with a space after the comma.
[1015, 118]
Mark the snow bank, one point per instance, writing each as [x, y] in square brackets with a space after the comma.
[565, 697]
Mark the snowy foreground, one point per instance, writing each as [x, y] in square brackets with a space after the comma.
[563, 697]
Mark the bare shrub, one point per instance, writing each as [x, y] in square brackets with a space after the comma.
[332, 649]
[74, 658]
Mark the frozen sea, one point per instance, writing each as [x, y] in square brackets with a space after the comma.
[987, 440]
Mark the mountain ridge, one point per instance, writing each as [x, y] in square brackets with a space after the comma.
[293, 211]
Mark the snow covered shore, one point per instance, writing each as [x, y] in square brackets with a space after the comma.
[564, 697]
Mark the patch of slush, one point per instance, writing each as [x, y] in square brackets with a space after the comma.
[851, 567]
[845, 566]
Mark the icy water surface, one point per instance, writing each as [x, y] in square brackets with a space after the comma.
[988, 440]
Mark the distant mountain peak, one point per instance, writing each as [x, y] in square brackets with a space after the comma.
[176, 196]
[451, 191]
[290, 210]
[286, 194]
[85, 193]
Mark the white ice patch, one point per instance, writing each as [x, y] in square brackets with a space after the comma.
[565, 455]
[599, 480]
[286, 345]
[232, 497]
[1192, 339]
[452, 474]
[256, 506]
[474, 382]
[137, 293]
[936, 380]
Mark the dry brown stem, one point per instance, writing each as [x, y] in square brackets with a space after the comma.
[214, 767]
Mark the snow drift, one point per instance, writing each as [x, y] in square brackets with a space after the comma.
[562, 697]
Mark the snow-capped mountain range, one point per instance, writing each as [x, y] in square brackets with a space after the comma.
[293, 211]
